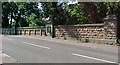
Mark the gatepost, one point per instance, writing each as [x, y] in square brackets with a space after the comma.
[110, 29]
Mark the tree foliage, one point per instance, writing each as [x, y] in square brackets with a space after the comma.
[28, 13]
[20, 12]
[33, 21]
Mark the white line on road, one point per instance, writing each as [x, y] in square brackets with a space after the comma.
[37, 45]
[93, 58]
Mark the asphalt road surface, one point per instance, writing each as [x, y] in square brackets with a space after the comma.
[28, 50]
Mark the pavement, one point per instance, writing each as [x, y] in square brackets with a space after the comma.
[6, 58]
[37, 49]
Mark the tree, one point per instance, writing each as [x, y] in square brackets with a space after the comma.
[19, 11]
[50, 10]
[9, 10]
[33, 20]
[76, 14]
[59, 13]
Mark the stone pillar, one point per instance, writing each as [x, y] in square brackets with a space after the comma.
[110, 28]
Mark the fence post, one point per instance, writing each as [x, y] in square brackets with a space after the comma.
[29, 32]
[34, 32]
[24, 32]
[45, 32]
[41, 32]
[20, 32]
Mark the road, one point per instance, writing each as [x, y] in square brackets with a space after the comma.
[28, 50]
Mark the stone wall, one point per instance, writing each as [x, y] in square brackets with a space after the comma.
[86, 33]
[95, 33]
[25, 31]
[28, 31]
[110, 27]
[107, 32]
[80, 31]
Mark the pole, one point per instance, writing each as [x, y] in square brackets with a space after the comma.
[53, 27]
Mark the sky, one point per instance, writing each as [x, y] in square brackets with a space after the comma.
[70, 2]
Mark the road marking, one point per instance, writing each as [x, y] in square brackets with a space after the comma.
[93, 58]
[37, 45]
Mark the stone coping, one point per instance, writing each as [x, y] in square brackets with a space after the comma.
[86, 25]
